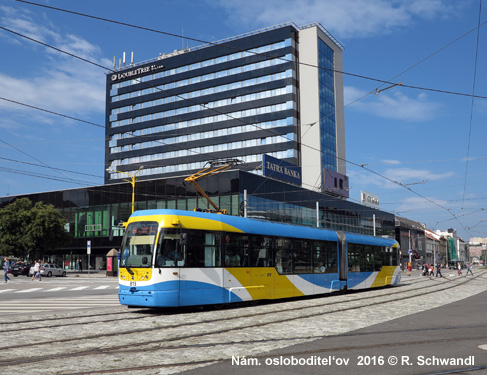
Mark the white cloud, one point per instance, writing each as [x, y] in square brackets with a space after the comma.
[394, 177]
[60, 83]
[393, 105]
[394, 162]
[410, 176]
[421, 204]
[344, 18]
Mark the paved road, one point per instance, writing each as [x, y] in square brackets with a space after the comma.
[24, 296]
[430, 317]
[419, 342]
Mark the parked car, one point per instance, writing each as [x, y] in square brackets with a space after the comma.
[49, 269]
[20, 269]
[453, 264]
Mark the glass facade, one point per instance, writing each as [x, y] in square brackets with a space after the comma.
[95, 213]
[327, 106]
[276, 201]
[235, 99]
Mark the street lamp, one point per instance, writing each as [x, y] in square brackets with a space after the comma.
[132, 182]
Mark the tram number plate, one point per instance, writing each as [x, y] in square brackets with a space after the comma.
[132, 283]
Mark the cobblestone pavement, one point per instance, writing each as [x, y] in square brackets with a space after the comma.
[164, 342]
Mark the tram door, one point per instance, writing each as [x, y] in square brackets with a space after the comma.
[342, 256]
[236, 271]
[168, 259]
[262, 273]
[201, 276]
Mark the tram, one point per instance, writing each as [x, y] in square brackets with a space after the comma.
[173, 258]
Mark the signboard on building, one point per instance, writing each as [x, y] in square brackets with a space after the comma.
[136, 72]
[335, 183]
[369, 199]
[281, 170]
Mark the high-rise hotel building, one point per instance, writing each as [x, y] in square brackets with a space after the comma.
[276, 91]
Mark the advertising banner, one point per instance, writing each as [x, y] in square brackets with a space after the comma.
[281, 170]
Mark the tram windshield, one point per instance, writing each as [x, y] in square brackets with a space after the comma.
[138, 244]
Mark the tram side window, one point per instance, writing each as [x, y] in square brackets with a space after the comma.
[324, 257]
[168, 253]
[236, 250]
[380, 257]
[395, 256]
[283, 257]
[203, 249]
[212, 250]
[368, 254]
[387, 256]
[301, 256]
[355, 257]
[261, 251]
[390, 256]
[195, 250]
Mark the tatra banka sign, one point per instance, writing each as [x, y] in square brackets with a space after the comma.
[281, 170]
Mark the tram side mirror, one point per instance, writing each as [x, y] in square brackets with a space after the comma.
[144, 260]
[183, 239]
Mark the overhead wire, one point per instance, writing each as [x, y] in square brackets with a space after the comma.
[473, 100]
[34, 158]
[256, 53]
[384, 82]
[49, 167]
[356, 164]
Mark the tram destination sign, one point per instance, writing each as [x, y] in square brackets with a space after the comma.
[281, 170]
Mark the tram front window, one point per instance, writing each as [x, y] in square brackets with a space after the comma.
[138, 244]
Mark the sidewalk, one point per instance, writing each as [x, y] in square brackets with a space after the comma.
[446, 272]
[92, 273]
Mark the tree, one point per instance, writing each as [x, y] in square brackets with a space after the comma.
[27, 230]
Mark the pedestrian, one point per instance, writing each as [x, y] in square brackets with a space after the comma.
[432, 269]
[6, 270]
[469, 269]
[438, 270]
[459, 269]
[80, 266]
[37, 270]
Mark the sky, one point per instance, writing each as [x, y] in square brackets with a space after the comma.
[418, 146]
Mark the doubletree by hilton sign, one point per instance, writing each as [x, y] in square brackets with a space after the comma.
[281, 170]
[136, 72]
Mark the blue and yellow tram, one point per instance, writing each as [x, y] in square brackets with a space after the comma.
[183, 258]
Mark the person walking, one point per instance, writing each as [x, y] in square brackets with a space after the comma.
[432, 270]
[438, 270]
[37, 270]
[459, 269]
[469, 269]
[6, 270]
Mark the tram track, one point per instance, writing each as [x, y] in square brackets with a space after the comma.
[148, 314]
[389, 291]
[127, 315]
[206, 332]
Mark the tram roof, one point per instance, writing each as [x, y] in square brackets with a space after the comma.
[270, 228]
